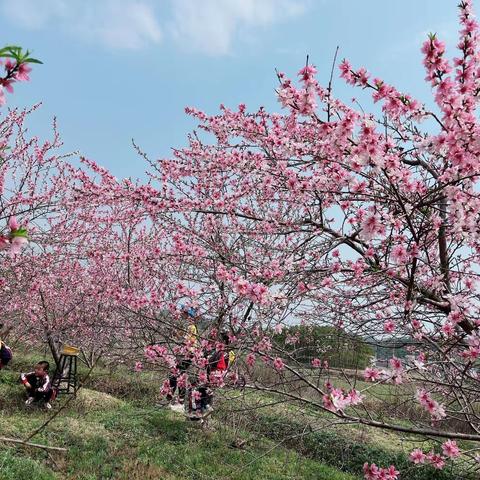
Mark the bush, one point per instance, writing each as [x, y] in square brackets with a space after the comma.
[338, 451]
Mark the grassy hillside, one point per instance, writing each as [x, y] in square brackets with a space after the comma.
[122, 436]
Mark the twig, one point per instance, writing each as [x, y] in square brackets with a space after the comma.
[330, 83]
[29, 444]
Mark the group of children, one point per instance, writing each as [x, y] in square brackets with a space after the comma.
[37, 383]
[197, 399]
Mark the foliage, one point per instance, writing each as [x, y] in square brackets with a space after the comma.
[338, 348]
[338, 450]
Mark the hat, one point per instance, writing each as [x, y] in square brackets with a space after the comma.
[190, 311]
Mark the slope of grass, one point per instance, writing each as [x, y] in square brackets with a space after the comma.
[110, 437]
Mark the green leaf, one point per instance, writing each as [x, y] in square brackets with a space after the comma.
[20, 232]
[32, 60]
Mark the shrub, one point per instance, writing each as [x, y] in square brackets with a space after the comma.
[338, 451]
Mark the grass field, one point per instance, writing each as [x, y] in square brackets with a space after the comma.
[114, 431]
[121, 435]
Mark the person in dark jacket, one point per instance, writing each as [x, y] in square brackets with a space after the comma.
[38, 384]
[218, 361]
[5, 351]
[184, 362]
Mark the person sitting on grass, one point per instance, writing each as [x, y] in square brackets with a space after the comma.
[38, 385]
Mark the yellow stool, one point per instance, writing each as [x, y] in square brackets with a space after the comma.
[69, 350]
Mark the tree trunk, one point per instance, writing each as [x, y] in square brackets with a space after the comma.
[53, 349]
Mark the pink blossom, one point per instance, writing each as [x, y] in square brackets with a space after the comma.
[389, 326]
[448, 329]
[450, 449]
[372, 472]
[166, 389]
[138, 367]
[17, 243]
[371, 374]
[400, 254]
[4, 242]
[301, 287]
[371, 226]
[196, 395]
[436, 410]
[250, 359]
[278, 364]
[22, 73]
[437, 461]
[396, 364]
[316, 363]
[417, 456]
[13, 223]
[278, 328]
[355, 397]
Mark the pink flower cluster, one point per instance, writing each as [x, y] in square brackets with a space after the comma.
[396, 374]
[250, 359]
[372, 226]
[372, 472]
[435, 63]
[278, 364]
[395, 104]
[473, 351]
[436, 410]
[372, 374]
[337, 400]
[449, 449]
[301, 100]
[257, 292]
[317, 363]
[16, 72]
[160, 353]
[16, 240]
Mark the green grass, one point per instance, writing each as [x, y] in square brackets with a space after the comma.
[122, 436]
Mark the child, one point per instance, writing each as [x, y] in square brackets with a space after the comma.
[37, 384]
[222, 359]
[184, 362]
[218, 361]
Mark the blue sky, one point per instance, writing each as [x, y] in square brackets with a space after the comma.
[117, 69]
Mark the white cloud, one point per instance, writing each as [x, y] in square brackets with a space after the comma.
[33, 14]
[210, 26]
[123, 24]
[207, 26]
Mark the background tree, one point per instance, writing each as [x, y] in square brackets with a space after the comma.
[326, 215]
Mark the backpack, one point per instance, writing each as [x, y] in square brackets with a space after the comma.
[221, 364]
[217, 362]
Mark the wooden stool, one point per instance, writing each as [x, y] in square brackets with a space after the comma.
[65, 379]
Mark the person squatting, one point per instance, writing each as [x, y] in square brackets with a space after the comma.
[38, 385]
